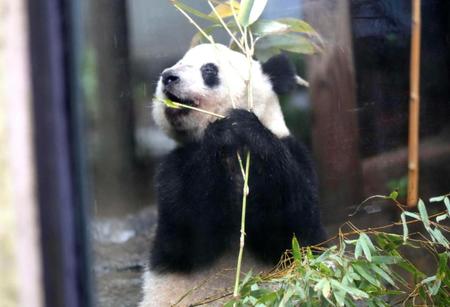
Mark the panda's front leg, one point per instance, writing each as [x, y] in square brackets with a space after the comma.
[194, 219]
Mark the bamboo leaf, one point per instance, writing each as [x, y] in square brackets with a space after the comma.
[269, 27]
[438, 237]
[447, 205]
[289, 42]
[386, 259]
[224, 9]
[193, 11]
[441, 217]
[250, 11]
[366, 275]
[393, 195]
[297, 25]
[383, 274]
[423, 214]
[354, 292]
[326, 289]
[169, 103]
[437, 198]
[366, 246]
[267, 299]
[358, 249]
[413, 215]
[296, 250]
[405, 227]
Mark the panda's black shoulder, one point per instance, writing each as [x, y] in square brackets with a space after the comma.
[281, 72]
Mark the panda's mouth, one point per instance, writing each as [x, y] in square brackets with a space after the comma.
[174, 115]
[177, 99]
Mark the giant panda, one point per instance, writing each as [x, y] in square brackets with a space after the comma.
[199, 184]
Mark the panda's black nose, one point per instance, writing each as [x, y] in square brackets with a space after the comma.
[168, 77]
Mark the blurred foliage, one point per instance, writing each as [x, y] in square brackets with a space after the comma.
[89, 81]
[271, 36]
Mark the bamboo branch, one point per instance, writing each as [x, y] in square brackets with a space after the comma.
[414, 103]
[245, 193]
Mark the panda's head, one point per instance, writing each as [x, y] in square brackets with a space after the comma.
[214, 78]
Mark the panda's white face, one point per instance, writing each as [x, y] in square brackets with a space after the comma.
[214, 78]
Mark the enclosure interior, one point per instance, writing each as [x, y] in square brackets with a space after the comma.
[353, 118]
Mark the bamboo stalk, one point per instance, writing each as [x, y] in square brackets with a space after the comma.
[414, 103]
[245, 193]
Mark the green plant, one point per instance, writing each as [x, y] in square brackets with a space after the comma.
[367, 266]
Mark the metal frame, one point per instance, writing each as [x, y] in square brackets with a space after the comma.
[58, 152]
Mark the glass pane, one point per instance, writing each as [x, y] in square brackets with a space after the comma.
[353, 118]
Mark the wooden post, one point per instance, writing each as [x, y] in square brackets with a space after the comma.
[335, 122]
[414, 104]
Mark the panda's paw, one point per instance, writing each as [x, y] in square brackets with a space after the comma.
[245, 124]
[243, 117]
[220, 135]
[234, 130]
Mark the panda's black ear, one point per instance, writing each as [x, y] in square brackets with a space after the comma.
[281, 72]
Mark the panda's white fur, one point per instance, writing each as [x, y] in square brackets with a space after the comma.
[232, 91]
[162, 290]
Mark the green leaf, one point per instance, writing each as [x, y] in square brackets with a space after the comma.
[434, 289]
[437, 199]
[443, 268]
[366, 245]
[263, 54]
[388, 241]
[269, 27]
[366, 275]
[383, 274]
[224, 10]
[358, 249]
[447, 205]
[326, 289]
[286, 296]
[289, 42]
[354, 292]
[413, 215]
[386, 259]
[250, 11]
[188, 9]
[298, 25]
[169, 103]
[428, 280]
[267, 298]
[405, 227]
[393, 195]
[296, 250]
[439, 237]
[423, 214]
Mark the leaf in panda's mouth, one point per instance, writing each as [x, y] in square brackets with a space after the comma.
[169, 103]
[176, 99]
[178, 105]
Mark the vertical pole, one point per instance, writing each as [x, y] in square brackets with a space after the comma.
[20, 236]
[414, 103]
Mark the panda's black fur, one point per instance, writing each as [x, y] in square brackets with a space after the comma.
[199, 188]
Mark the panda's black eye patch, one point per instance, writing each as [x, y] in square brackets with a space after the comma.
[210, 74]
